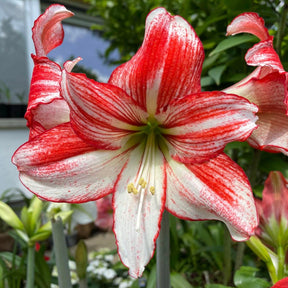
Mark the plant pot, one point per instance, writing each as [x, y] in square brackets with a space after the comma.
[4, 110]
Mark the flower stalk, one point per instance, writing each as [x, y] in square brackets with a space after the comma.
[30, 267]
[61, 255]
[163, 253]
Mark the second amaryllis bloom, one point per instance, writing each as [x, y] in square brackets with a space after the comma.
[266, 86]
[149, 136]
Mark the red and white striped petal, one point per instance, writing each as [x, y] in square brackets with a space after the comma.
[249, 23]
[263, 54]
[58, 166]
[217, 189]
[167, 66]
[268, 93]
[271, 134]
[102, 114]
[47, 32]
[136, 242]
[46, 107]
[199, 126]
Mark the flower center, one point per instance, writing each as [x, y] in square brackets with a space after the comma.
[145, 179]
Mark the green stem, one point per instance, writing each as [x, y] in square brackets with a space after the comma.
[30, 267]
[227, 258]
[281, 262]
[281, 29]
[239, 255]
[265, 254]
[163, 254]
[61, 253]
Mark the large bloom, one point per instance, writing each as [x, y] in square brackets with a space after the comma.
[266, 86]
[149, 137]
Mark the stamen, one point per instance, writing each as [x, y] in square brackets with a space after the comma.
[145, 178]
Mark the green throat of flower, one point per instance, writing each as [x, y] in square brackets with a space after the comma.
[144, 183]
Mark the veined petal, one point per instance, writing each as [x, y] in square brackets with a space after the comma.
[199, 126]
[102, 114]
[136, 245]
[46, 107]
[271, 134]
[47, 32]
[263, 54]
[58, 166]
[217, 189]
[268, 93]
[167, 66]
[249, 23]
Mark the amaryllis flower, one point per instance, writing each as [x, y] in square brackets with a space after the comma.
[273, 211]
[266, 86]
[104, 218]
[149, 136]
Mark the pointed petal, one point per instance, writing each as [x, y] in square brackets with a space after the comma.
[269, 93]
[137, 247]
[249, 23]
[47, 32]
[263, 54]
[167, 66]
[46, 107]
[58, 166]
[102, 114]
[217, 189]
[199, 126]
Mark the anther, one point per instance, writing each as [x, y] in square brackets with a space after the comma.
[152, 190]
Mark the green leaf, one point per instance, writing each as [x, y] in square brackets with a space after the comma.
[178, 281]
[273, 162]
[232, 42]
[216, 286]
[245, 278]
[42, 270]
[39, 236]
[34, 212]
[206, 81]
[216, 73]
[9, 216]
[151, 283]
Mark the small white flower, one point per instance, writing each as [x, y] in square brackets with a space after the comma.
[117, 280]
[109, 258]
[72, 265]
[125, 284]
[109, 274]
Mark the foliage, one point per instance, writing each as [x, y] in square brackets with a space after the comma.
[123, 25]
